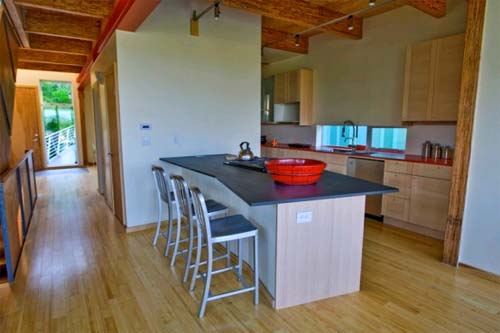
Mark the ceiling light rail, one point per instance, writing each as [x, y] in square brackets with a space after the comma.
[373, 4]
[195, 18]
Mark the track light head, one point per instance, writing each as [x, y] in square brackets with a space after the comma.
[217, 10]
[297, 40]
[372, 3]
[350, 27]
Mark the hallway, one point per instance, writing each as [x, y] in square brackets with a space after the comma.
[80, 272]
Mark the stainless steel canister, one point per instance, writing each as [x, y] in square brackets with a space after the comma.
[436, 151]
[426, 149]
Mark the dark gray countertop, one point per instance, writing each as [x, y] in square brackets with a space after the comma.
[257, 188]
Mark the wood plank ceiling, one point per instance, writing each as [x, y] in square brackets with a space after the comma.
[285, 18]
[58, 35]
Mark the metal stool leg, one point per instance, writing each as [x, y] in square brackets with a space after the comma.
[190, 252]
[240, 259]
[208, 280]
[158, 223]
[198, 260]
[256, 269]
[169, 231]
[228, 253]
[177, 238]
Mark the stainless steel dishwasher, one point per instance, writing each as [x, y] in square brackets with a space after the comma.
[373, 171]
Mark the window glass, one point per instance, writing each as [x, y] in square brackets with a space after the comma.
[389, 138]
[332, 135]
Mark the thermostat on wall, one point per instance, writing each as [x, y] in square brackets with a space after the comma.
[145, 126]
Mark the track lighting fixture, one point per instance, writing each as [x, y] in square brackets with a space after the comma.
[373, 3]
[195, 18]
[350, 27]
[217, 10]
[297, 40]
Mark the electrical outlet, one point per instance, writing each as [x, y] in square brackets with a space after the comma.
[304, 217]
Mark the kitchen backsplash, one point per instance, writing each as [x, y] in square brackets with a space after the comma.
[290, 133]
[417, 134]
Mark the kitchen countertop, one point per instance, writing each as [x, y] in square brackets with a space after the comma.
[373, 156]
[258, 188]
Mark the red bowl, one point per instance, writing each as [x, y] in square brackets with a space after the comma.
[295, 171]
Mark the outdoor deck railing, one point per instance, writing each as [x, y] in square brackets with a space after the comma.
[56, 143]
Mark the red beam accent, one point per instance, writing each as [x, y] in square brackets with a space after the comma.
[126, 15]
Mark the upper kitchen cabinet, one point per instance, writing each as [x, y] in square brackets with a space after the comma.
[432, 82]
[296, 87]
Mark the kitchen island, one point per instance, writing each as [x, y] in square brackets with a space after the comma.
[310, 237]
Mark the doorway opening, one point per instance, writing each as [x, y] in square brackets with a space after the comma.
[58, 118]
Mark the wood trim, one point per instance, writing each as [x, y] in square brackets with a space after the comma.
[47, 57]
[141, 227]
[60, 44]
[436, 8]
[38, 66]
[468, 93]
[480, 273]
[17, 22]
[90, 8]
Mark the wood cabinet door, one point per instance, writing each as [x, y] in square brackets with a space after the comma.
[418, 82]
[401, 181]
[292, 87]
[395, 207]
[280, 88]
[429, 202]
[306, 97]
[447, 78]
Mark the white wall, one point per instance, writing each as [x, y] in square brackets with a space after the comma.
[201, 94]
[363, 80]
[480, 245]
[33, 78]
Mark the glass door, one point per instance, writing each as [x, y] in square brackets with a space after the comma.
[58, 117]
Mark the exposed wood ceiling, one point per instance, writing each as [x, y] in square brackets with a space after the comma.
[58, 35]
[286, 18]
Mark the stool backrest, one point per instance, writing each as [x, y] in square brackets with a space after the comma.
[161, 183]
[181, 192]
[200, 209]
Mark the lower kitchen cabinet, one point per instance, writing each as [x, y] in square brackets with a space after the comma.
[429, 202]
[396, 207]
[421, 205]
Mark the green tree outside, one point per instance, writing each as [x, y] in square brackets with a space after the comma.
[57, 97]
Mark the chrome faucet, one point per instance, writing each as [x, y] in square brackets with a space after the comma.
[354, 133]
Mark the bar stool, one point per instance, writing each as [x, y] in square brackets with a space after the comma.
[164, 195]
[185, 209]
[220, 230]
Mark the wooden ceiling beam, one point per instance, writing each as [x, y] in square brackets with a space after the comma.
[62, 25]
[270, 35]
[48, 67]
[15, 17]
[436, 8]
[300, 12]
[89, 8]
[59, 44]
[48, 57]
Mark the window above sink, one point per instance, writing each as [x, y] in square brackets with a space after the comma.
[390, 139]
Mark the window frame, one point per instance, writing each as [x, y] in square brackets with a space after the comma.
[319, 139]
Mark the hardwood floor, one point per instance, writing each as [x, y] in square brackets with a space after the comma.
[80, 272]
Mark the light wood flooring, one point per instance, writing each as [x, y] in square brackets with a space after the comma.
[80, 272]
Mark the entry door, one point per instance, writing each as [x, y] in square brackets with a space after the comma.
[114, 142]
[26, 125]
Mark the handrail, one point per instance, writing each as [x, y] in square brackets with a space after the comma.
[56, 143]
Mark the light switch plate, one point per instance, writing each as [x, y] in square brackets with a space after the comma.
[304, 217]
